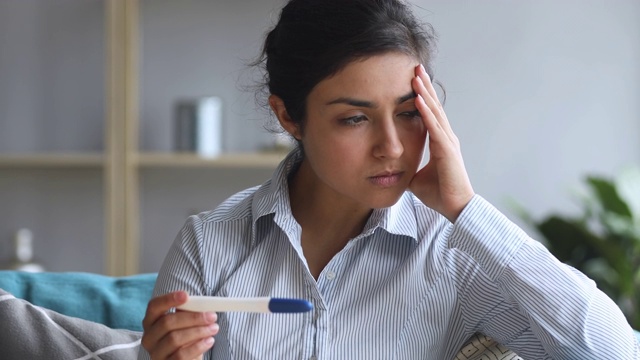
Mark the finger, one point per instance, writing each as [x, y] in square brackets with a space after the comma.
[425, 81]
[175, 322]
[436, 109]
[435, 131]
[186, 343]
[160, 305]
[426, 106]
[421, 86]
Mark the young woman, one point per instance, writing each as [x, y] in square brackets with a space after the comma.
[399, 261]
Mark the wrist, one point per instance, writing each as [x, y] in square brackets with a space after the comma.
[454, 211]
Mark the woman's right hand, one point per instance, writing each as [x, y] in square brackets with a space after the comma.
[179, 335]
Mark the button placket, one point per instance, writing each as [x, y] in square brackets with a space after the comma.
[330, 275]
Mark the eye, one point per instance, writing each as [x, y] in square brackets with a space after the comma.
[353, 120]
[411, 115]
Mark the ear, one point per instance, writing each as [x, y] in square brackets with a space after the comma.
[287, 123]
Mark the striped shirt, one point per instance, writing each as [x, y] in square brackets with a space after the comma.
[412, 285]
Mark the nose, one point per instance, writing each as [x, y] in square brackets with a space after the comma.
[387, 144]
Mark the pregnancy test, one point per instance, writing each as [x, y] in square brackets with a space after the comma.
[248, 304]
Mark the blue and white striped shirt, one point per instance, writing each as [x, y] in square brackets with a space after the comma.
[410, 286]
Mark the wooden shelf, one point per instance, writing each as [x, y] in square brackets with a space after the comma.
[239, 160]
[52, 160]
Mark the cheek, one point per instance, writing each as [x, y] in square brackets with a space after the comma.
[331, 153]
[414, 134]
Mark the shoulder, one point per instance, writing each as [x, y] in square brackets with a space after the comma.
[236, 207]
[224, 234]
[227, 224]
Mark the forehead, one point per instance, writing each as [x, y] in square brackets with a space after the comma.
[378, 77]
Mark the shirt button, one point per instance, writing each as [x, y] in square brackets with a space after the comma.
[331, 275]
[313, 357]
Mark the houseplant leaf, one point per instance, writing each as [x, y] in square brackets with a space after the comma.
[627, 184]
[608, 197]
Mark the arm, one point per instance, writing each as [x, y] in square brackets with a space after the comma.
[563, 309]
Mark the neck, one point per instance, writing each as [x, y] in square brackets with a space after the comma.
[316, 207]
[328, 220]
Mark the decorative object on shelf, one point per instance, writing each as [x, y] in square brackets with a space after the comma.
[604, 242]
[23, 255]
[199, 126]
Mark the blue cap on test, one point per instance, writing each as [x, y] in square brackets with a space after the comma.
[279, 305]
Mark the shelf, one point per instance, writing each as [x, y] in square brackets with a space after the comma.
[239, 160]
[61, 160]
[144, 160]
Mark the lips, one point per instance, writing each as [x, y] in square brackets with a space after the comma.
[386, 179]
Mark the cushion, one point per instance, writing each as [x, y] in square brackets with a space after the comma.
[117, 302]
[481, 347]
[32, 332]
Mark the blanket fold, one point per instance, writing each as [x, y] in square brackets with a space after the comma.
[33, 332]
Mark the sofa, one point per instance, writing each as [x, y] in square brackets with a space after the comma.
[72, 315]
[75, 315]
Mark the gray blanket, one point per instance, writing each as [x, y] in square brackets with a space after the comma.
[32, 332]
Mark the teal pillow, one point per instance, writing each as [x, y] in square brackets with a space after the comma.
[117, 302]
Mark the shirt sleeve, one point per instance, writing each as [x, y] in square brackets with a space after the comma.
[182, 267]
[566, 313]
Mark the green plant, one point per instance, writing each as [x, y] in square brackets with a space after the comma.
[604, 241]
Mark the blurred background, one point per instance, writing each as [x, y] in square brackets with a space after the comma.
[540, 93]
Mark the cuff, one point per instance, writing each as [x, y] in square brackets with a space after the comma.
[486, 235]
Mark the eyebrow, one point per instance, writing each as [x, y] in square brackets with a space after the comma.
[368, 104]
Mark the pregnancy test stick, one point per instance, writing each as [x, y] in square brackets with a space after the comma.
[253, 304]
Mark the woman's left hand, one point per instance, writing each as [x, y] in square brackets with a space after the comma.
[443, 184]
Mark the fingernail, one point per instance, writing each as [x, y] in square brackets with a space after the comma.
[422, 67]
[214, 327]
[179, 296]
[210, 317]
[208, 341]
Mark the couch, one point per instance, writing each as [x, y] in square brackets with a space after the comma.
[72, 315]
[75, 315]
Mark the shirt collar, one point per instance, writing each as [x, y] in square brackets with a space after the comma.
[273, 198]
[399, 219]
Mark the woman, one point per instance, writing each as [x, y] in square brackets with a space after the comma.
[399, 262]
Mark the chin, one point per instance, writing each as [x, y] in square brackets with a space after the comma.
[385, 201]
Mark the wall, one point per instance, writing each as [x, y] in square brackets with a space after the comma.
[539, 93]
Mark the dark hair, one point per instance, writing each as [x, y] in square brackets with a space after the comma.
[315, 39]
